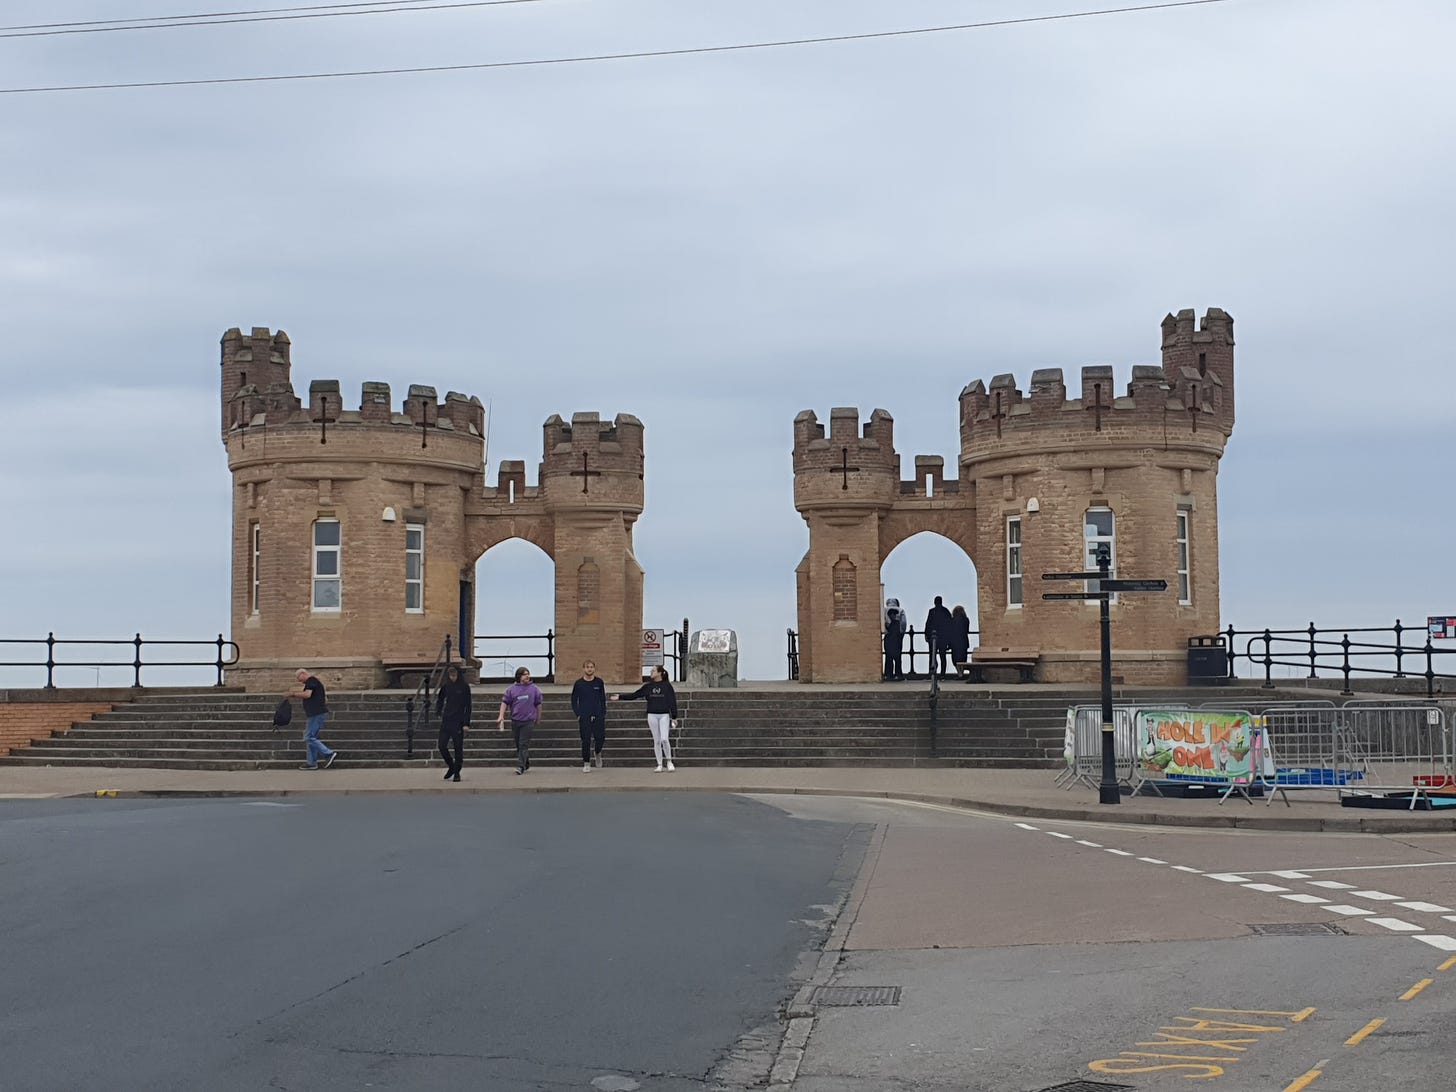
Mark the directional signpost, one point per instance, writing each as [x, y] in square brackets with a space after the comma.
[1107, 791]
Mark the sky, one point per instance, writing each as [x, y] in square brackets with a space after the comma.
[714, 242]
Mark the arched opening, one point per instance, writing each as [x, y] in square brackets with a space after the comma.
[515, 607]
[921, 567]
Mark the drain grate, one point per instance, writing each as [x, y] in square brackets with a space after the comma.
[855, 995]
[1085, 1086]
[1299, 929]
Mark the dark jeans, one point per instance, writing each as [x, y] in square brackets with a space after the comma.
[452, 738]
[521, 730]
[893, 670]
[593, 735]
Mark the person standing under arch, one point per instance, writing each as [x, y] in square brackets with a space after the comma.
[938, 629]
[661, 713]
[452, 706]
[895, 626]
[960, 639]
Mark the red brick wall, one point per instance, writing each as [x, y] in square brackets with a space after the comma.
[23, 720]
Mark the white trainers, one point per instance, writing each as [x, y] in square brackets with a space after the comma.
[586, 767]
[670, 766]
[659, 768]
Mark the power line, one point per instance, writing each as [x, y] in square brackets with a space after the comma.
[260, 15]
[591, 58]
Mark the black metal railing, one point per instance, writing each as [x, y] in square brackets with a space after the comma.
[677, 652]
[908, 652]
[225, 655]
[934, 692]
[421, 696]
[1354, 652]
[549, 656]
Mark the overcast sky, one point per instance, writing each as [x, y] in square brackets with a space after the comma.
[713, 243]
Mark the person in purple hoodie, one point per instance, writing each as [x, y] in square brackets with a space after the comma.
[522, 703]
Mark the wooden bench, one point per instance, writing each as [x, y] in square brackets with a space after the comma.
[1022, 661]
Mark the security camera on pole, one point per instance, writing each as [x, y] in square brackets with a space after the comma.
[1107, 791]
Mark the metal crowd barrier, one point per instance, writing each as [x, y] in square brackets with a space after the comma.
[1362, 748]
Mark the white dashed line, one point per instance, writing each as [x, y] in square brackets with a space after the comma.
[1151, 860]
[1395, 925]
[1349, 911]
[1089, 845]
[1375, 896]
[1268, 888]
[1187, 868]
[1425, 907]
[1309, 900]
[1059, 834]
[1438, 940]
[1027, 826]
[1227, 877]
[1291, 875]
[1118, 852]
[1332, 885]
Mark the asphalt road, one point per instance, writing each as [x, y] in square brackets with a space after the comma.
[611, 942]
[1031, 953]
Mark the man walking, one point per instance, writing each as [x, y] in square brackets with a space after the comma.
[316, 709]
[589, 703]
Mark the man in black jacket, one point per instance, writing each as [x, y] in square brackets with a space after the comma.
[589, 703]
[939, 626]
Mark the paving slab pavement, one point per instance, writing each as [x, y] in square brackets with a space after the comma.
[1031, 793]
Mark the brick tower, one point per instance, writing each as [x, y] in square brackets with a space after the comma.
[1042, 480]
[356, 531]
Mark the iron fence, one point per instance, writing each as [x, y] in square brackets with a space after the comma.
[225, 654]
[1356, 651]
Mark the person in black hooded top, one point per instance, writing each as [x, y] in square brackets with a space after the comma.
[453, 708]
[661, 712]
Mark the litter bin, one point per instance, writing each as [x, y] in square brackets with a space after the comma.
[1208, 663]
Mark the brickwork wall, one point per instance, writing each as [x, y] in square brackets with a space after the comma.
[377, 472]
[24, 720]
[1045, 459]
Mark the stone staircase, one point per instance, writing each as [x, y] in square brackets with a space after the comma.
[876, 727]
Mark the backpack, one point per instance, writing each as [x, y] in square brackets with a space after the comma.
[283, 715]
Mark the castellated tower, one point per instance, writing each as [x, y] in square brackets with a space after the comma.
[356, 530]
[1042, 479]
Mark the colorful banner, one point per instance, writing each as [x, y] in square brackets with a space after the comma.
[1202, 745]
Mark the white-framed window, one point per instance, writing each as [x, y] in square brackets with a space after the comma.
[327, 574]
[1185, 586]
[255, 556]
[1013, 561]
[1099, 528]
[414, 568]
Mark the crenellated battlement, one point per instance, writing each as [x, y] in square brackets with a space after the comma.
[1191, 393]
[257, 393]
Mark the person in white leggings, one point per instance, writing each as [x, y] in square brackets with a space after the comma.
[661, 714]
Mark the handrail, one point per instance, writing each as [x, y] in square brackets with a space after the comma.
[137, 643]
[907, 650]
[1306, 648]
[934, 694]
[549, 655]
[423, 686]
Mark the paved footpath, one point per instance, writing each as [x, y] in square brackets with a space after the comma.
[1031, 793]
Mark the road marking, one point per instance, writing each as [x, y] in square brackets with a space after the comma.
[1303, 1082]
[1294, 1017]
[1267, 888]
[1349, 911]
[1230, 1032]
[1290, 875]
[1188, 868]
[268, 804]
[1395, 925]
[1090, 845]
[1443, 942]
[1425, 907]
[1311, 900]
[1377, 896]
[1151, 860]
[1332, 885]
[1058, 834]
[1359, 1036]
[1383, 867]
[1227, 877]
[1027, 826]
[1450, 962]
[1417, 988]
[1118, 852]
